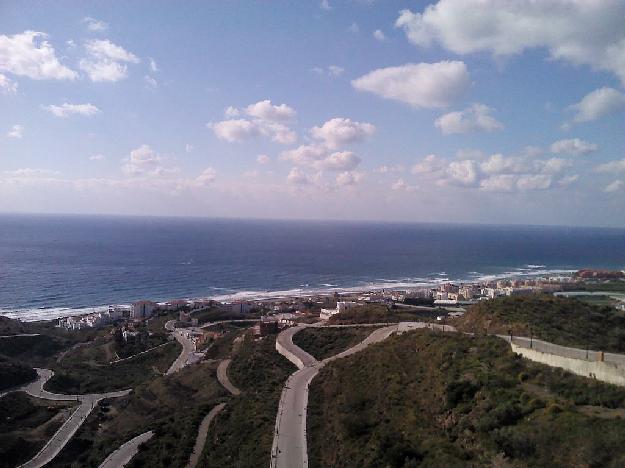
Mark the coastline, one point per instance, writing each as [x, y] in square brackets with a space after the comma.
[527, 271]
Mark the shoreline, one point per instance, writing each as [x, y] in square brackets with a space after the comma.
[528, 272]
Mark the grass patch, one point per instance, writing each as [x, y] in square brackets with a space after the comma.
[564, 321]
[242, 434]
[434, 399]
[375, 313]
[26, 423]
[14, 373]
[76, 376]
[322, 343]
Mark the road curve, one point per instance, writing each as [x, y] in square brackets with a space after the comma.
[124, 453]
[200, 441]
[63, 435]
[222, 376]
[295, 354]
[289, 449]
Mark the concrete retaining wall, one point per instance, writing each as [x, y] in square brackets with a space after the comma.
[289, 355]
[605, 371]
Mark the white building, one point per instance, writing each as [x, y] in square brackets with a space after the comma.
[143, 309]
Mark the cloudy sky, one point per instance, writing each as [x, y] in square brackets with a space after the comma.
[484, 111]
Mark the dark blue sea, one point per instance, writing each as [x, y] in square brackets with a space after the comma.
[57, 265]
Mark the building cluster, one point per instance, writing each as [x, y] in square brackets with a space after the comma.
[96, 319]
[341, 306]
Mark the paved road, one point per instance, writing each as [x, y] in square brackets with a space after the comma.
[188, 348]
[222, 376]
[62, 436]
[124, 454]
[200, 441]
[20, 334]
[289, 448]
[295, 354]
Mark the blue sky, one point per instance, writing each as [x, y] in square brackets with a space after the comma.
[456, 111]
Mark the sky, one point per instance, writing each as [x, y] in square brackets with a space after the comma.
[463, 111]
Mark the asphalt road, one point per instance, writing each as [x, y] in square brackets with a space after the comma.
[62, 436]
[289, 448]
[200, 441]
[124, 454]
[188, 348]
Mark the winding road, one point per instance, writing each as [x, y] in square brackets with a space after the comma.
[120, 457]
[289, 448]
[62, 436]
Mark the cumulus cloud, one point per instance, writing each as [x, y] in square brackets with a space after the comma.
[262, 119]
[400, 185]
[30, 54]
[207, 176]
[378, 35]
[349, 178]
[599, 103]
[615, 186]
[95, 25]
[320, 158]
[553, 165]
[463, 172]
[579, 32]
[7, 86]
[612, 166]
[262, 159]
[297, 177]
[264, 110]
[428, 85]
[153, 66]
[325, 5]
[573, 147]
[106, 61]
[498, 163]
[17, 131]
[143, 161]
[150, 82]
[341, 131]
[476, 118]
[66, 109]
[510, 182]
[431, 163]
[568, 180]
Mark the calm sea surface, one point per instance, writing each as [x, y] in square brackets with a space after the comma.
[49, 264]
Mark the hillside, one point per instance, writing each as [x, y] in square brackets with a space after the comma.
[432, 399]
[564, 321]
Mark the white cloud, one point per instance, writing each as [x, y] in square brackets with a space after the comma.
[234, 130]
[97, 157]
[476, 118]
[348, 178]
[30, 54]
[189, 148]
[325, 5]
[431, 163]
[207, 176]
[331, 71]
[150, 82]
[297, 177]
[7, 86]
[597, 104]
[429, 85]
[153, 65]
[354, 28]
[499, 183]
[580, 32]
[264, 110]
[143, 161]
[463, 172]
[262, 159]
[384, 169]
[612, 166]
[615, 186]
[320, 158]
[17, 131]
[341, 131]
[95, 25]
[66, 109]
[568, 180]
[29, 172]
[265, 119]
[378, 35]
[106, 61]
[498, 163]
[534, 182]
[573, 147]
[553, 165]
[400, 185]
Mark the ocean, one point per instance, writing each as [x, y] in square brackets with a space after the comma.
[52, 266]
